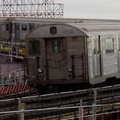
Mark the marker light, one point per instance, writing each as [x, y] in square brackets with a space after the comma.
[40, 76]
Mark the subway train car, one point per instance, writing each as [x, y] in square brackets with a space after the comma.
[73, 54]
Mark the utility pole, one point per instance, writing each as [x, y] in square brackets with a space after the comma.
[21, 106]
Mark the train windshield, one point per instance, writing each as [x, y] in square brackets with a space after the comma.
[56, 46]
[34, 47]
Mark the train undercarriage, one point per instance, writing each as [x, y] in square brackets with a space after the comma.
[54, 88]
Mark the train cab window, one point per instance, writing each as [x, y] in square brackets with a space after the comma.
[34, 47]
[56, 46]
[110, 45]
[24, 27]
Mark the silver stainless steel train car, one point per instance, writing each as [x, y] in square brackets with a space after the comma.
[73, 53]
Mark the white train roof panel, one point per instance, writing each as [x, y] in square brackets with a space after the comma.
[77, 29]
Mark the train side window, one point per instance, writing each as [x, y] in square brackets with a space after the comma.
[3, 27]
[24, 27]
[109, 45]
[97, 44]
[56, 46]
[31, 26]
[7, 27]
[34, 47]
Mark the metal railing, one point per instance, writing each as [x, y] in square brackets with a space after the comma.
[96, 108]
[15, 51]
[93, 115]
[12, 78]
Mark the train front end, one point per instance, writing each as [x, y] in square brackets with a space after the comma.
[56, 56]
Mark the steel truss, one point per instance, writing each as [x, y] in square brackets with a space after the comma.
[31, 8]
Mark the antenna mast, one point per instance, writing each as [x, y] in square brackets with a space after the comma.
[31, 8]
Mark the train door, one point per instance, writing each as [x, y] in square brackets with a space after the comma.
[97, 56]
[110, 54]
[76, 51]
[55, 58]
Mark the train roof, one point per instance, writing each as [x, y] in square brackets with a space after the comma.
[86, 29]
[97, 27]
[56, 20]
[66, 20]
[87, 26]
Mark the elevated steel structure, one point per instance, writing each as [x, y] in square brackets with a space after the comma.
[31, 8]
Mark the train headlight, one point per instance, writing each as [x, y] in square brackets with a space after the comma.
[70, 73]
[39, 70]
[70, 70]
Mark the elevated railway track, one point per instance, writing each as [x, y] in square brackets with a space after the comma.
[64, 105]
[57, 105]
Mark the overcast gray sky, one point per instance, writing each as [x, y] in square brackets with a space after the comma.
[107, 9]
